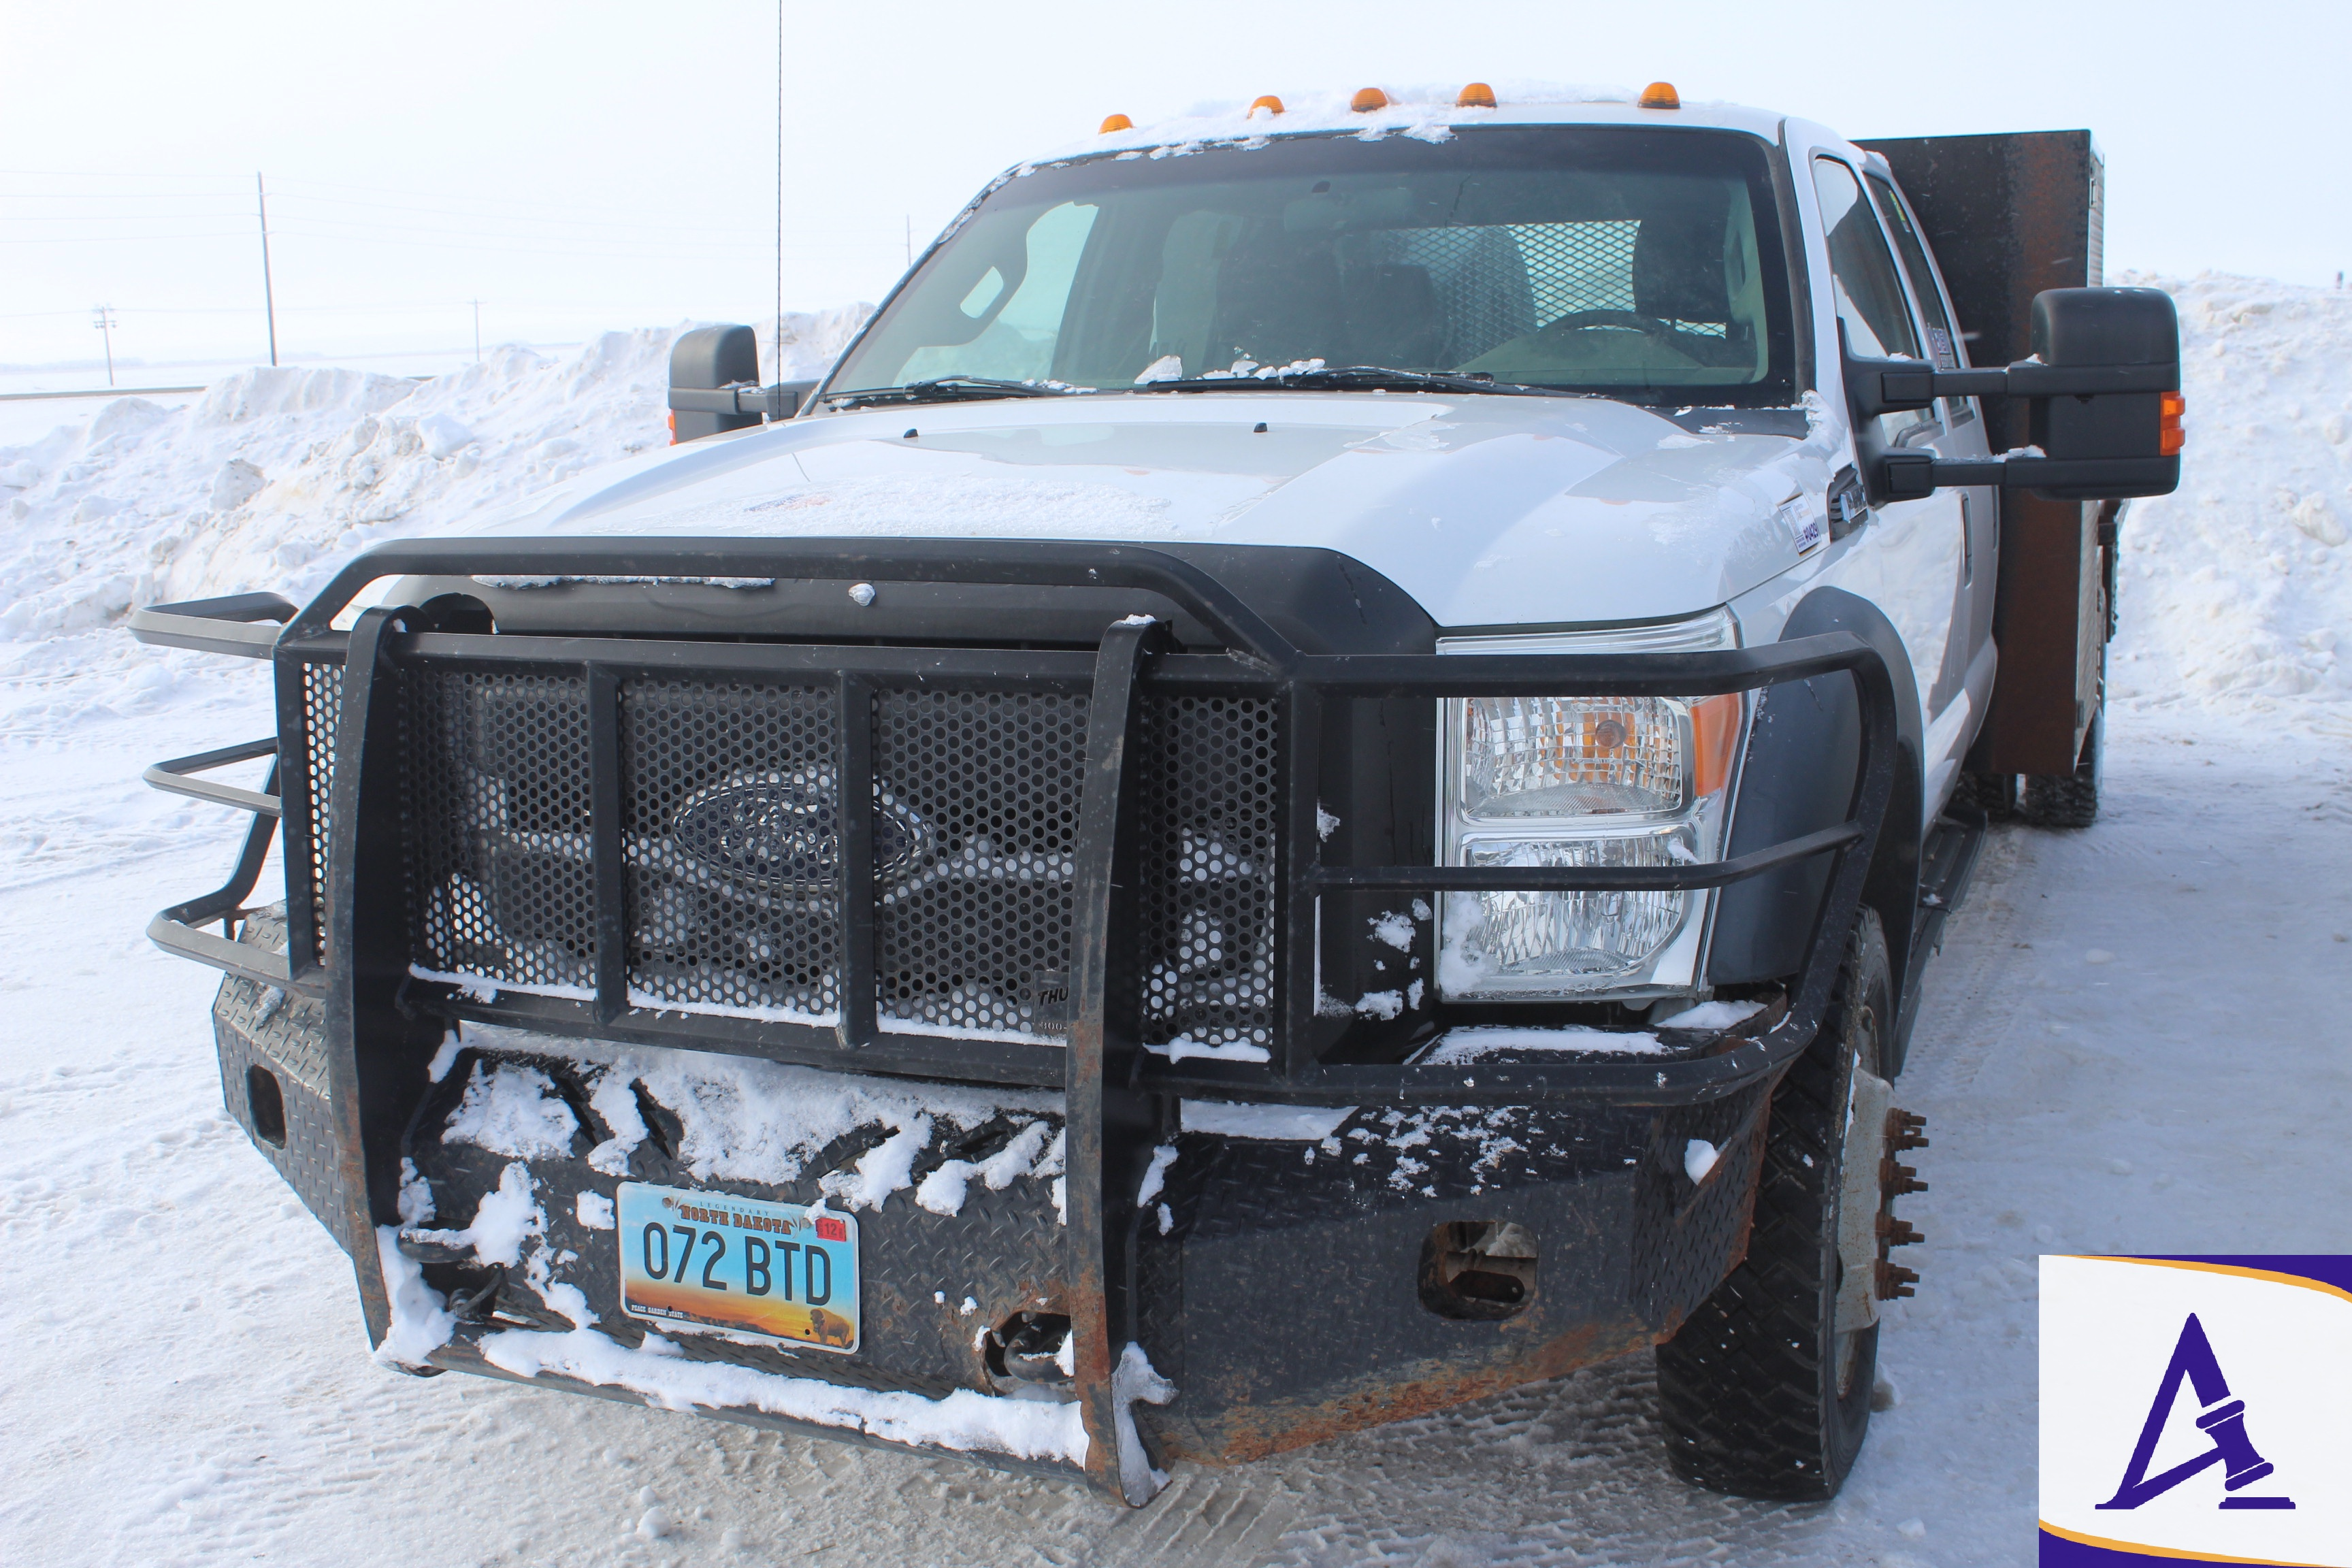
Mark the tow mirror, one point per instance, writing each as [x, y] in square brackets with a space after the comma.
[2104, 378]
[714, 384]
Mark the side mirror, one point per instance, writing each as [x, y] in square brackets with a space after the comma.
[2104, 378]
[714, 384]
[2088, 327]
[708, 360]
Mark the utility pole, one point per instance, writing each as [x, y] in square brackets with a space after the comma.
[103, 320]
[477, 332]
[269, 298]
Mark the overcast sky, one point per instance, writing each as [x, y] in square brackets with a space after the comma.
[578, 167]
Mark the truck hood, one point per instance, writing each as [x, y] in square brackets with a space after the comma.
[1488, 511]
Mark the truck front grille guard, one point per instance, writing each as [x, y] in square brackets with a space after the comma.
[355, 954]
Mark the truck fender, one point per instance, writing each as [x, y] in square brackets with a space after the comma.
[1799, 777]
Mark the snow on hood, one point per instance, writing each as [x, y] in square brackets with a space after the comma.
[1487, 509]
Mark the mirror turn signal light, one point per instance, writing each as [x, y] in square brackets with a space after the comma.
[1116, 122]
[673, 428]
[1661, 95]
[2170, 435]
[1369, 98]
[1477, 95]
[1270, 103]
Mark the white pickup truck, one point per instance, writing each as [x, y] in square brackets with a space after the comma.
[1314, 782]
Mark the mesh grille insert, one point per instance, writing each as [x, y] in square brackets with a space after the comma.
[976, 818]
[729, 801]
[730, 844]
[322, 711]
[1209, 813]
[496, 774]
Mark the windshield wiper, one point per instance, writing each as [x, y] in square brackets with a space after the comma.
[952, 389]
[1355, 378]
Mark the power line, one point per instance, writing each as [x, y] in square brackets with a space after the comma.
[112, 238]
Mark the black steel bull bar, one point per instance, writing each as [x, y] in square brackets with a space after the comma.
[378, 1035]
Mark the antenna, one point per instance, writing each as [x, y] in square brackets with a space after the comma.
[478, 330]
[103, 317]
[269, 298]
[776, 359]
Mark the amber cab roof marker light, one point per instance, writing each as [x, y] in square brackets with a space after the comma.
[2170, 435]
[1477, 95]
[1116, 122]
[1268, 103]
[1661, 95]
[1369, 98]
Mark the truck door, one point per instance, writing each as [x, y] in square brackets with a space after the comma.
[1968, 659]
[1909, 560]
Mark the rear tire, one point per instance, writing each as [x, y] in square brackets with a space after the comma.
[1759, 1394]
[2068, 800]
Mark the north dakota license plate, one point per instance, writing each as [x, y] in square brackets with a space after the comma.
[780, 1271]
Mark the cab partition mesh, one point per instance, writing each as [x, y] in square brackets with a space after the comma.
[731, 846]
[728, 798]
[498, 862]
[323, 708]
[1209, 812]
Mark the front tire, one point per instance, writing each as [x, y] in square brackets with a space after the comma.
[1759, 1394]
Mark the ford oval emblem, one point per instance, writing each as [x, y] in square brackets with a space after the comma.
[783, 830]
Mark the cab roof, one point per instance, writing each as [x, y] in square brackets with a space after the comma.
[1428, 113]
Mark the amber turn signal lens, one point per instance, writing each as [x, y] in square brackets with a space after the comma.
[1477, 95]
[673, 430]
[1715, 730]
[1116, 122]
[1369, 98]
[1661, 95]
[1270, 103]
[2170, 435]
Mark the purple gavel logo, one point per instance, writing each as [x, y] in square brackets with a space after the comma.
[2224, 1421]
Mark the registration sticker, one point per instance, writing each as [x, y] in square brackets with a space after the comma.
[779, 1271]
[1804, 525]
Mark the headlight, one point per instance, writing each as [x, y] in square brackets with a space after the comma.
[1582, 781]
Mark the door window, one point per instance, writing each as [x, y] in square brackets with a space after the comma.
[1943, 338]
[1869, 293]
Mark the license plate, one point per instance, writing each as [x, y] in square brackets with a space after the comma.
[777, 1271]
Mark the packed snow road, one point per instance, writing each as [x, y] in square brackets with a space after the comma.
[2131, 1042]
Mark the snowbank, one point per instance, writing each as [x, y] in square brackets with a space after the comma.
[2237, 587]
[276, 476]
[2240, 583]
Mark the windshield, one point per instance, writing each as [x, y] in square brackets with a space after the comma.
[1633, 263]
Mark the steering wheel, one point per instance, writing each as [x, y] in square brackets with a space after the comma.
[1583, 321]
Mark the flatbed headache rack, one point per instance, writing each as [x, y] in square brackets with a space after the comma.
[349, 936]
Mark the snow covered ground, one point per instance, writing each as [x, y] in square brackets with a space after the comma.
[2133, 1041]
